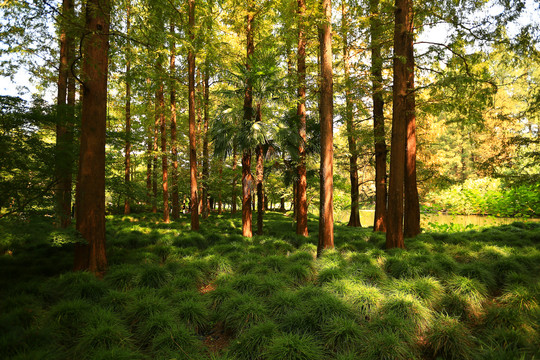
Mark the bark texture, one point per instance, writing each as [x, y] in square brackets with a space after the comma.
[326, 107]
[194, 202]
[174, 144]
[260, 178]
[91, 176]
[206, 166]
[394, 230]
[164, 159]
[301, 194]
[127, 158]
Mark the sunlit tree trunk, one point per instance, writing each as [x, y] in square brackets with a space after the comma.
[156, 150]
[394, 230]
[127, 160]
[247, 178]
[354, 219]
[412, 205]
[379, 223]
[234, 180]
[301, 199]
[164, 158]
[64, 125]
[326, 215]
[206, 167]
[91, 176]
[174, 144]
[194, 202]
[260, 178]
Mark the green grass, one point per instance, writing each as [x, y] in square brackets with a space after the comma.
[169, 291]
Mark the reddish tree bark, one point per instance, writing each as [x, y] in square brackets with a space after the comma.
[326, 108]
[194, 202]
[64, 127]
[156, 150]
[301, 194]
[247, 178]
[260, 178]
[164, 159]
[174, 144]
[394, 230]
[91, 176]
[354, 219]
[379, 223]
[412, 205]
[127, 159]
[206, 167]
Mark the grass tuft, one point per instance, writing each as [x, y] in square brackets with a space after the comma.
[291, 346]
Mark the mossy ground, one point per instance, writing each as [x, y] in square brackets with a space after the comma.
[171, 293]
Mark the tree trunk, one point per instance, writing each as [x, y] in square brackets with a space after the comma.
[301, 197]
[205, 171]
[174, 144]
[354, 219]
[233, 199]
[412, 206]
[64, 127]
[164, 158]
[149, 167]
[326, 215]
[91, 176]
[127, 159]
[194, 203]
[379, 223]
[156, 150]
[394, 230]
[260, 178]
[220, 205]
[247, 178]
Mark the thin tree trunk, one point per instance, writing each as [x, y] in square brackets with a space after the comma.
[220, 205]
[394, 230]
[174, 144]
[149, 168]
[233, 200]
[64, 131]
[205, 170]
[354, 219]
[156, 150]
[379, 223]
[194, 203]
[247, 178]
[91, 176]
[127, 162]
[412, 206]
[260, 178]
[301, 197]
[326, 215]
[164, 158]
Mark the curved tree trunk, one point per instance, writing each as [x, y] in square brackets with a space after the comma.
[326, 215]
[394, 230]
[412, 205]
[194, 203]
[354, 219]
[91, 177]
[379, 223]
[301, 190]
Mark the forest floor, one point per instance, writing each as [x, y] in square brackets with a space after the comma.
[172, 293]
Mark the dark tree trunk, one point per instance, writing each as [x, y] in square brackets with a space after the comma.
[174, 144]
[64, 125]
[194, 202]
[354, 219]
[156, 150]
[394, 230]
[91, 177]
[379, 223]
[206, 167]
[301, 196]
[149, 167]
[326, 215]
[234, 180]
[260, 178]
[220, 204]
[164, 158]
[412, 206]
[247, 178]
[127, 159]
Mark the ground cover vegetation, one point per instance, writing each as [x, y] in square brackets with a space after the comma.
[214, 294]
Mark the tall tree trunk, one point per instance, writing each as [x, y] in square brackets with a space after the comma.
[220, 204]
[127, 160]
[174, 144]
[394, 230]
[194, 202]
[64, 131]
[205, 171]
[260, 178]
[233, 199]
[301, 197]
[412, 206]
[164, 158]
[91, 177]
[379, 223]
[247, 178]
[326, 106]
[156, 150]
[354, 219]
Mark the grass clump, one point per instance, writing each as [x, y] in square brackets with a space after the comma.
[343, 334]
[292, 346]
[448, 338]
[252, 343]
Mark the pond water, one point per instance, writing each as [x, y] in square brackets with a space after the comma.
[366, 219]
